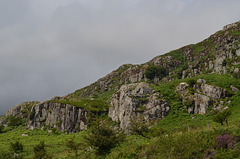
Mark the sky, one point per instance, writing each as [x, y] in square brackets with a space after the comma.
[53, 47]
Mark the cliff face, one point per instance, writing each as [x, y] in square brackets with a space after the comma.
[135, 100]
[64, 117]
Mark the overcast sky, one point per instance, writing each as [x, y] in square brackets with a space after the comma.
[54, 47]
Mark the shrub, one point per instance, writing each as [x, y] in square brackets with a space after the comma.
[5, 155]
[155, 71]
[17, 147]
[103, 137]
[224, 63]
[40, 151]
[220, 117]
[191, 82]
[71, 143]
[1, 128]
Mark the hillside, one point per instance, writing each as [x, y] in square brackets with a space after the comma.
[176, 98]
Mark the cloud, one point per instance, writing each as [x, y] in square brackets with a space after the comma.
[53, 47]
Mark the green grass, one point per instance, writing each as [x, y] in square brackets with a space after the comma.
[236, 33]
[55, 144]
[177, 54]
[89, 104]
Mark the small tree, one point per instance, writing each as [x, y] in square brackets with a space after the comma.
[71, 143]
[155, 71]
[103, 137]
[40, 151]
[17, 147]
[222, 116]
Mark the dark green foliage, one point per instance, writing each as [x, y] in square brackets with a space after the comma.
[155, 71]
[1, 128]
[73, 145]
[139, 126]
[191, 82]
[103, 137]
[6, 155]
[234, 52]
[220, 117]
[14, 121]
[40, 151]
[224, 63]
[16, 146]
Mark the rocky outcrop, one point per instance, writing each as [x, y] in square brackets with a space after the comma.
[22, 110]
[201, 96]
[213, 91]
[64, 117]
[134, 100]
[201, 104]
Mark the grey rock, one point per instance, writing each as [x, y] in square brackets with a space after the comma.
[236, 70]
[212, 91]
[21, 110]
[201, 81]
[136, 100]
[234, 89]
[202, 103]
[238, 52]
[64, 117]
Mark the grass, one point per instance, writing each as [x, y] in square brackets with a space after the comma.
[236, 33]
[89, 104]
[55, 144]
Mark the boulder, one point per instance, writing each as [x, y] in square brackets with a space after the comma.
[234, 89]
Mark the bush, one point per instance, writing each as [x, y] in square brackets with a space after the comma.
[40, 151]
[191, 82]
[71, 143]
[1, 128]
[103, 137]
[220, 117]
[5, 155]
[17, 147]
[155, 71]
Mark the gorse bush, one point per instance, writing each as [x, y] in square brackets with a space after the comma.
[40, 151]
[103, 136]
[16, 146]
